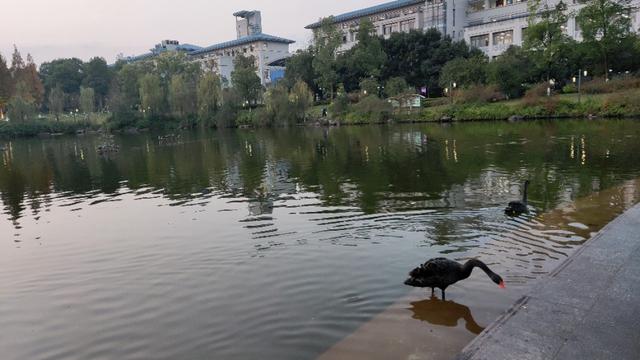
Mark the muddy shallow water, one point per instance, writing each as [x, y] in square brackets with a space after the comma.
[291, 244]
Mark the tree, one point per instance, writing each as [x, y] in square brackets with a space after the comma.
[87, 100]
[209, 97]
[56, 101]
[300, 67]
[21, 107]
[5, 85]
[464, 72]
[365, 60]
[17, 64]
[301, 98]
[419, 57]
[29, 75]
[67, 73]
[244, 79]
[605, 24]
[327, 41]
[397, 86]
[511, 71]
[97, 76]
[152, 97]
[182, 97]
[545, 38]
[278, 106]
[370, 86]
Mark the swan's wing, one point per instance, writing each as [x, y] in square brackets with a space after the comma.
[431, 268]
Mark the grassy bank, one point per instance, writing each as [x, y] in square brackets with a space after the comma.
[48, 125]
[619, 104]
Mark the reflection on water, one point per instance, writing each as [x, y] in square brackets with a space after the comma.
[444, 313]
[279, 243]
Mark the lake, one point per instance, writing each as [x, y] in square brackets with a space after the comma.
[291, 243]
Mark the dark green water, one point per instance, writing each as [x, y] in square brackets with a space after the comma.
[279, 243]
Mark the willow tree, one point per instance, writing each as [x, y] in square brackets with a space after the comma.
[152, 97]
[56, 101]
[209, 94]
[87, 100]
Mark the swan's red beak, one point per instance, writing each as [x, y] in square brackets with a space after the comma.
[502, 285]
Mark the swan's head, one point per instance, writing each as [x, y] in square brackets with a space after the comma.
[498, 280]
[413, 282]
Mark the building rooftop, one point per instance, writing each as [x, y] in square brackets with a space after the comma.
[186, 48]
[242, 41]
[368, 11]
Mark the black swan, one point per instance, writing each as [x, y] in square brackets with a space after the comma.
[519, 207]
[442, 272]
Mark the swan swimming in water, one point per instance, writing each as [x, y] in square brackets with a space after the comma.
[519, 207]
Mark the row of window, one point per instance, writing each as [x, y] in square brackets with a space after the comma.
[499, 38]
[475, 6]
[388, 29]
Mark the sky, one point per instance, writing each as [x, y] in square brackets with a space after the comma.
[51, 29]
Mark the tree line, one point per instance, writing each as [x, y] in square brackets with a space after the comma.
[173, 87]
[427, 60]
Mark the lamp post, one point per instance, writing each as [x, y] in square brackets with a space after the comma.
[579, 82]
[450, 89]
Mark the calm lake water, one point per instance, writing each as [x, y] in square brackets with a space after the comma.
[279, 244]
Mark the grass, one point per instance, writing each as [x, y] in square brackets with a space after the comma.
[47, 124]
[618, 104]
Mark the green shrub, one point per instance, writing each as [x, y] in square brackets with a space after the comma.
[370, 109]
[569, 89]
[601, 86]
[479, 94]
[624, 104]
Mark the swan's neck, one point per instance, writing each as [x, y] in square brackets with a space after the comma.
[526, 190]
[468, 268]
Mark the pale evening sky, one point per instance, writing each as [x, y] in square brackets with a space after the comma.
[50, 29]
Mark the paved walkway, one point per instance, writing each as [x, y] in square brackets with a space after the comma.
[588, 308]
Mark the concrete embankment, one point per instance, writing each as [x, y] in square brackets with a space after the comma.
[588, 308]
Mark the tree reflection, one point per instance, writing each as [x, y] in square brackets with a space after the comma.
[373, 168]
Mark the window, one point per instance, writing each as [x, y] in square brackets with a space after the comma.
[503, 37]
[387, 29]
[480, 41]
[407, 25]
[344, 39]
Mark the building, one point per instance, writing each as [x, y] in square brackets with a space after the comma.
[490, 25]
[269, 51]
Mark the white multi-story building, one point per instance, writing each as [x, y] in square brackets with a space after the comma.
[490, 25]
[270, 52]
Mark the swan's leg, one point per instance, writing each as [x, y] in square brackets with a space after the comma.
[433, 291]
[443, 296]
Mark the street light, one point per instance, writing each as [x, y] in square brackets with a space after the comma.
[453, 86]
[580, 74]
